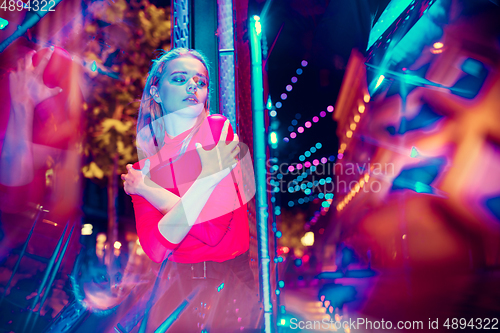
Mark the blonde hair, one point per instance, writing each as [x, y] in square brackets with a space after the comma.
[150, 129]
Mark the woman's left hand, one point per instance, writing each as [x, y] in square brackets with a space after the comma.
[218, 162]
[133, 181]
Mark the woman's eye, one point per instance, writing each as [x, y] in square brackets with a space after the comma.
[178, 79]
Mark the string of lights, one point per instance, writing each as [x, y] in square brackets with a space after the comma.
[307, 124]
[289, 87]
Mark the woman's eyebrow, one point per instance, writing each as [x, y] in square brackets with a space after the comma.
[202, 75]
[184, 72]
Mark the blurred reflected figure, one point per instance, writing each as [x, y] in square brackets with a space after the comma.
[40, 166]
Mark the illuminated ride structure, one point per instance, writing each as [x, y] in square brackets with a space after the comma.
[418, 191]
[237, 74]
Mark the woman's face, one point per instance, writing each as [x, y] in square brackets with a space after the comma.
[184, 83]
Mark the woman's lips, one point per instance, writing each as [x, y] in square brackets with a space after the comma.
[192, 99]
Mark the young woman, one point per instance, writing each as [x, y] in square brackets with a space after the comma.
[186, 188]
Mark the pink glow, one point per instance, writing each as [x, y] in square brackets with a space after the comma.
[293, 135]
[294, 79]
[315, 119]
[289, 87]
[340, 156]
[283, 96]
[299, 166]
[307, 164]
[308, 124]
[291, 168]
[322, 113]
[329, 108]
[315, 162]
[324, 160]
[300, 129]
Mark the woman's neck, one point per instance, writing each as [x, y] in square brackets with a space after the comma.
[180, 121]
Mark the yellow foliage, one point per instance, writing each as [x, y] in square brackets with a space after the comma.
[119, 126]
[92, 171]
[125, 152]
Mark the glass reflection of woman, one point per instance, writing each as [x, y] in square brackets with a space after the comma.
[185, 189]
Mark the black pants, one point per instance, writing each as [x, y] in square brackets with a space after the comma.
[210, 296]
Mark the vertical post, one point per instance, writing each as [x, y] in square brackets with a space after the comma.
[260, 139]
[227, 88]
[180, 26]
[203, 30]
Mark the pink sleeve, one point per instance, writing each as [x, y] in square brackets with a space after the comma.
[152, 241]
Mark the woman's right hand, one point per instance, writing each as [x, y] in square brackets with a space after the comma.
[26, 84]
[134, 180]
[218, 162]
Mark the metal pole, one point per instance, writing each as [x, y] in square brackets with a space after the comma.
[45, 277]
[259, 132]
[24, 27]
[180, 26]
[16, 266]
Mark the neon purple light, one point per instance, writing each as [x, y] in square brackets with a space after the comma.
[324, 160]
[307, 164]
[291, 168]
[315, 119]
[300, 129]
[303, 63]
[329, 108]
[294, 79]
[283, 96]
[322, 113]
[289, 87]
[299, 166]
[308, 124]
[340, 156]
[315, 162]
[286, 139]
[293, 135]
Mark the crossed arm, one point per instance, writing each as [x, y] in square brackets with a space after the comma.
[181, 213]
